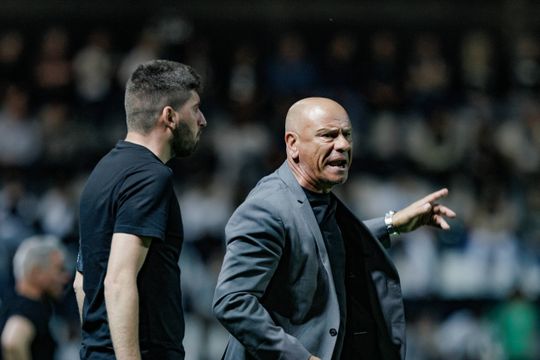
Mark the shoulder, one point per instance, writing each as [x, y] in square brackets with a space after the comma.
[129, 157]
[155, 170]
[270, 188]
[268, 201]
[121, 165]
[32, 310]
[152, 174]
[270, 192]
[263, 215]
[17, 332]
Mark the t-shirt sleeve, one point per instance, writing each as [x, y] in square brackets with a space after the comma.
[143, 203]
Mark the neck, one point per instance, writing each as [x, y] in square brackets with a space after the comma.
[305, 180]
[159, 148]
[29, 290]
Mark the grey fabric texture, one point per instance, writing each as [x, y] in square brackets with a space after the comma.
[275, 293]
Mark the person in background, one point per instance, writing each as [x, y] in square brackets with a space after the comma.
[40, 276]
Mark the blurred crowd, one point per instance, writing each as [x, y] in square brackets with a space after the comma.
[428, 111]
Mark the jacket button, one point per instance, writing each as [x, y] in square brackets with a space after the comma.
[333, 332]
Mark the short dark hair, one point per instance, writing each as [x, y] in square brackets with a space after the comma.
[154, 85]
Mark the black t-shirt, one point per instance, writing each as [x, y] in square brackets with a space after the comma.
[357, 333]
[324, 209]
[131, 191]
[39, 313]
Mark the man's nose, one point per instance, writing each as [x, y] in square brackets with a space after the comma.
[342, 143]
[202, 121]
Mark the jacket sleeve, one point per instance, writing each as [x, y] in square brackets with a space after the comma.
[255, 238]
[378, 228]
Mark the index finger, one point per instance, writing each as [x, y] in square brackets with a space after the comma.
[434, 196]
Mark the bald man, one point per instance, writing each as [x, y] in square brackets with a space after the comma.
[302, 277]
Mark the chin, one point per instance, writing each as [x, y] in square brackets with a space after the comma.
[184, 151]
[342, 179]
[331, 182]
[337, 178]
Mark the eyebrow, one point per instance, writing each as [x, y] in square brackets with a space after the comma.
[333, 129]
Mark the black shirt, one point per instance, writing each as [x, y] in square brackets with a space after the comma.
[39, 313]
[324, 209]
[131, 191]
[357, 335]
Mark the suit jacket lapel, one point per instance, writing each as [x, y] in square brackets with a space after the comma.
[306, 212]
[362, 233]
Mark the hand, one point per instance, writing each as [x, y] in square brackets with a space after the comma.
[424, 212]
[314, 358]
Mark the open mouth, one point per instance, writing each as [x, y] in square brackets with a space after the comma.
[342, 164]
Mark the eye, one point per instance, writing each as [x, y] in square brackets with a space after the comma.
[329, 135]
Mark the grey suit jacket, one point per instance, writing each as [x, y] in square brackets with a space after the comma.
[275, 293]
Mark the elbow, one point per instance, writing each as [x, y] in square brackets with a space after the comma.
[228, 306]
[78, 283]
[110, 286]
[219, 308]
[117, 285]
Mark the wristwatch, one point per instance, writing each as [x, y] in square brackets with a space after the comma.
[392, 230]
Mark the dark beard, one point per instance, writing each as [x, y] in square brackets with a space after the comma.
[184, 142]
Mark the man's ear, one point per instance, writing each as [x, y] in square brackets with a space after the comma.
[36, 274]
[167, 117]
[291, 140]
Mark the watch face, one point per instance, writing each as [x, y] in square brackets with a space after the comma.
[388, 218]
[392, 231]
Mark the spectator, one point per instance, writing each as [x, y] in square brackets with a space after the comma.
[40, 276]
[93, 70]
[516, 326]
[20, 142]
[53, 73]
[428, 74]
[290, 72]
[383, 73]
[12, 59]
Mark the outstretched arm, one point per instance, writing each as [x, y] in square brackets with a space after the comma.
[425, 211]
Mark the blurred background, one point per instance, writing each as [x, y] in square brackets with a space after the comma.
[440, 93]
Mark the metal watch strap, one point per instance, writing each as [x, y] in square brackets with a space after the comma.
[392, 230]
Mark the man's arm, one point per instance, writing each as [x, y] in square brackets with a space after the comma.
[378, 228]
[422, 212]
[425, 211]
[79, 292]
[17, 337]
[126, 258]
[255, 240]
